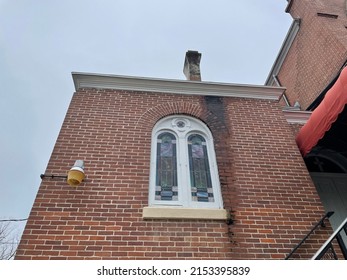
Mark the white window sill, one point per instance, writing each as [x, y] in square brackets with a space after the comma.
[157, 212]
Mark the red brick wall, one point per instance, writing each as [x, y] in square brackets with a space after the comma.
[265, 184]
[318, 51]
[275, 203]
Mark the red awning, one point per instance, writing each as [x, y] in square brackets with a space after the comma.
[324, 115]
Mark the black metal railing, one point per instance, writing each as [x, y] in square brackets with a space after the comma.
[327, 251]
[320, 223]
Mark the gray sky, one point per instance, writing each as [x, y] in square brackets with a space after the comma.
[43, 41]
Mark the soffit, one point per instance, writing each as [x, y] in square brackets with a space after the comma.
[102, 81]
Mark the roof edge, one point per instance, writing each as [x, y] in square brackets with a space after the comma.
[282, 54]
[296, 116]
[106, 81]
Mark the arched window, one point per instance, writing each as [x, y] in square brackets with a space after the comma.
[183, 165]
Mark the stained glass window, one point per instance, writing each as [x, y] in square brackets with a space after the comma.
[183, 165]
[166, 171]
[200, 175]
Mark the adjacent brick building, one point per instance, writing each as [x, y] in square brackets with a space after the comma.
[310, 66]
[314, 51]
[179, 170]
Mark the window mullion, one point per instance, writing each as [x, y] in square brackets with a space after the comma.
[184, 171]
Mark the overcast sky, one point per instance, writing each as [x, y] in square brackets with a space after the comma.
[43, 41]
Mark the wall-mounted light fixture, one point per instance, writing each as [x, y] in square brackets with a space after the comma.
[76, 174]
[74, 177]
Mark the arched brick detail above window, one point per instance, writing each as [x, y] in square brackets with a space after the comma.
[153, 114]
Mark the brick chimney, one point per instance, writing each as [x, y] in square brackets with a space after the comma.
[191, 67]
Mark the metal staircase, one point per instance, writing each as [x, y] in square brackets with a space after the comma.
[335, 241]
[327, 251]
[320, 223]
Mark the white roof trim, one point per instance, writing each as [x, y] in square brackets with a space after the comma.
[102, 81]
[296, 116]
[287, 43]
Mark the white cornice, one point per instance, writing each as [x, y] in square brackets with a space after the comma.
[102, 81]
[296, 116]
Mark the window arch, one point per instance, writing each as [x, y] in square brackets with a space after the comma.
[183, 165]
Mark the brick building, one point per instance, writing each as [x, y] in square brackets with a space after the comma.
[310, 66]
[182, 169]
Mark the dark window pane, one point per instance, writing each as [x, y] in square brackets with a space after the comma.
[166, 172]
[199, 168]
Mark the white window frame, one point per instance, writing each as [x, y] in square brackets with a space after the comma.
[190, 126]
